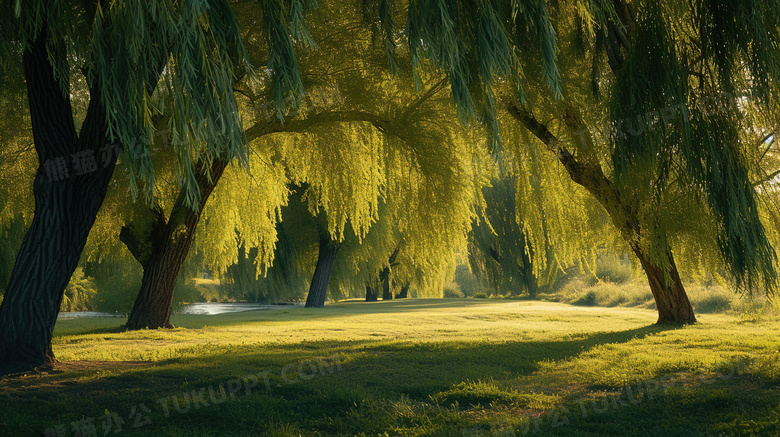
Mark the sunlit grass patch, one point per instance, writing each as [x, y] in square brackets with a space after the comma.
[482, 393]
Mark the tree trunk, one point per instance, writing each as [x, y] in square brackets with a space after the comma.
[668, 290]
[66, 203]
[384, 278]
[318, 290]
[170, 243]
[404, 292]
[386, 294]
[529, 279]
[384, 275]
[371, 293]
[525, 269]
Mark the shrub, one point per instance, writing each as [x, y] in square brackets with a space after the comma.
[712, 299]
[589, 299]
[452, 291]
[716, 303]
[79, 293]
[604, 294]
[467, 282]
[753, 309]
[610, 268]
[480, 295]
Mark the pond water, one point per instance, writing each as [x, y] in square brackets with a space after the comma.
[212, 308]
[198, 308]
[80, 314]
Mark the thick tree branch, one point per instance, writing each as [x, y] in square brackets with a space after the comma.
[767, 178]
[587, 173]
[139, 245]
[393, 256]
[438, 86]
[131, 240]
[380, 123]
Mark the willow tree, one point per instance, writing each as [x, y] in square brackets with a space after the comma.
[667, 81]
[246, 281]
[368, 187]
[121, 50]
[498, 253]
[159, 235]
[429, 173]
[640, 69]
[430, 176]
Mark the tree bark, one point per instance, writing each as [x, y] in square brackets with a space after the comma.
[318, 290]
[667, 288]
[384, 275]
[404, 292]
[372, 294]
[386, 294]
[66, 203]
[170, 243]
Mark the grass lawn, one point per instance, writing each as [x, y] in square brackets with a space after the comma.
[433, 367]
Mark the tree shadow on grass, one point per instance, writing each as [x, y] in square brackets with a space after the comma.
[413, 369]
[734, 406]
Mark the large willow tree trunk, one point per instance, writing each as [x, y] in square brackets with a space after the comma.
[65, 208]
[170, 243]
[318, 290]
[667, 288]
[404, 292]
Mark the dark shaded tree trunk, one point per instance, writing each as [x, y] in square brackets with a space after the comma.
[404, 292]
[67, 200]
[318, 290]
[384, 275]
[527, 269]
[372, 293]
[386, 294]
[169, 244]
[527, 272]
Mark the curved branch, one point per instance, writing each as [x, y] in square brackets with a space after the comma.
[586, 173]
